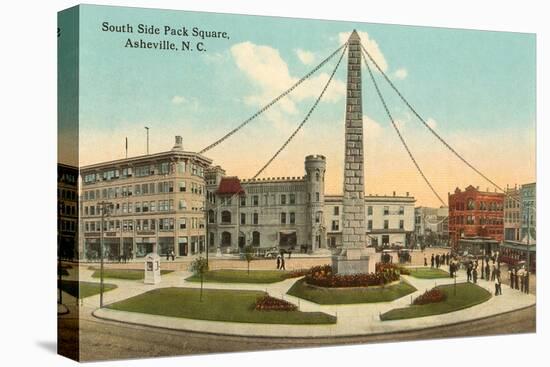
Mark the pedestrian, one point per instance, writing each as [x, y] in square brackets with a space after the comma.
[511, 275]
[173, 254]
[487, 271]
[493, 271]
[425, 261]
[526, 281]
[278, 262]
[283, 263]
[167, 255]
[498, 288]
[437, 261]
[432, 261]
[474, 273]
[521, 280]
[469, 272]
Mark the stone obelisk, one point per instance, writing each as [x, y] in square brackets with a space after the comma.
[354, 256]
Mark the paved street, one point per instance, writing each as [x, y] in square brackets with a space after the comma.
[111, 340]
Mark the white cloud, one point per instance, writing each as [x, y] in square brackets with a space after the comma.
[178, 99]
[400, 73]
[266, 69]
[370, 45]
[431, 123]
[192, 103]
[373, 129]
[306, 57]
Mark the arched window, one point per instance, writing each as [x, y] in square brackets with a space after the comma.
[255, 238]
[226, 216]
[211, 216]
[317, 175]
[471, 204]
[226, 239]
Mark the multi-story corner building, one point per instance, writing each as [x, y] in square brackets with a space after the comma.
[67, 211]
[475, 213]
[512, 214]
[528, 197]
[431, 222]
[156, 204]
[293, 212]
[389, 219]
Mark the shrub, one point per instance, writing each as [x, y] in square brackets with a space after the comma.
[297, 273]
[434, 295]
[268, 303]
[381, 267]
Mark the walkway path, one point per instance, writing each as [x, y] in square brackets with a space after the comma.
[358, 319]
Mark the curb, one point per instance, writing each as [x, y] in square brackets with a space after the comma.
[307, 337]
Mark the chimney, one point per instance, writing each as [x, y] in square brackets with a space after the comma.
[394, 193]
[179, 143]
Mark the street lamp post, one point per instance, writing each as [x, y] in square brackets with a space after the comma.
[105, 209]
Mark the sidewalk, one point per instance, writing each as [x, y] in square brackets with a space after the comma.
[357, 319]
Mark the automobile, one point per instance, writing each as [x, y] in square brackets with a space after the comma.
[271, 253]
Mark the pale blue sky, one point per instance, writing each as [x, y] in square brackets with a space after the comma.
[468, 82]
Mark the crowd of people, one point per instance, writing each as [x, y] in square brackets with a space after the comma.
[519, 279]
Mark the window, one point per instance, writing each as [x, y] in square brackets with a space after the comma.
[255, 218]
[401, 224]
[255, 200]
[401, 210]
[144, 189]
[243, 218]
[335, 225]
[471, 204]
[292, 218]
[152, 206]
[386, 224]
[292, 199]
[243, 200]
[164, 168]
[181, 168]
[369, 210]
[138, 207]
[386, 210]
[317, 197]
[318, 217]
[283, 199]
[283, 218]
[336, 210]
[226, 217]
[369, 224]
[182, 204]
[183, 223]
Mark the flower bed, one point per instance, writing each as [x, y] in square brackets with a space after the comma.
[434, 295]
[297, 273]
[322, 276]
[268, 303]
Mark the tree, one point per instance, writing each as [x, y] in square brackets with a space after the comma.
[249, 256]
[199, 267]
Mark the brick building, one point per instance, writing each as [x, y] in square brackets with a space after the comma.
[475, 213]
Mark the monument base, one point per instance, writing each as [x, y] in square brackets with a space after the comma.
[355, 261]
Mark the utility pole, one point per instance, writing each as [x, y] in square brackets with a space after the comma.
[147, 128]
[105, 212]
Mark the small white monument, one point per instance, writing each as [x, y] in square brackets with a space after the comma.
[152, 269]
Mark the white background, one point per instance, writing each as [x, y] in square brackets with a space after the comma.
[28, 193]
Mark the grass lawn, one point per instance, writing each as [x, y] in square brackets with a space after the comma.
[467, 295]
[217, 305]
[338, 296]
[86, 289]
[241, 276]
[428, 273]
[126, 274]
